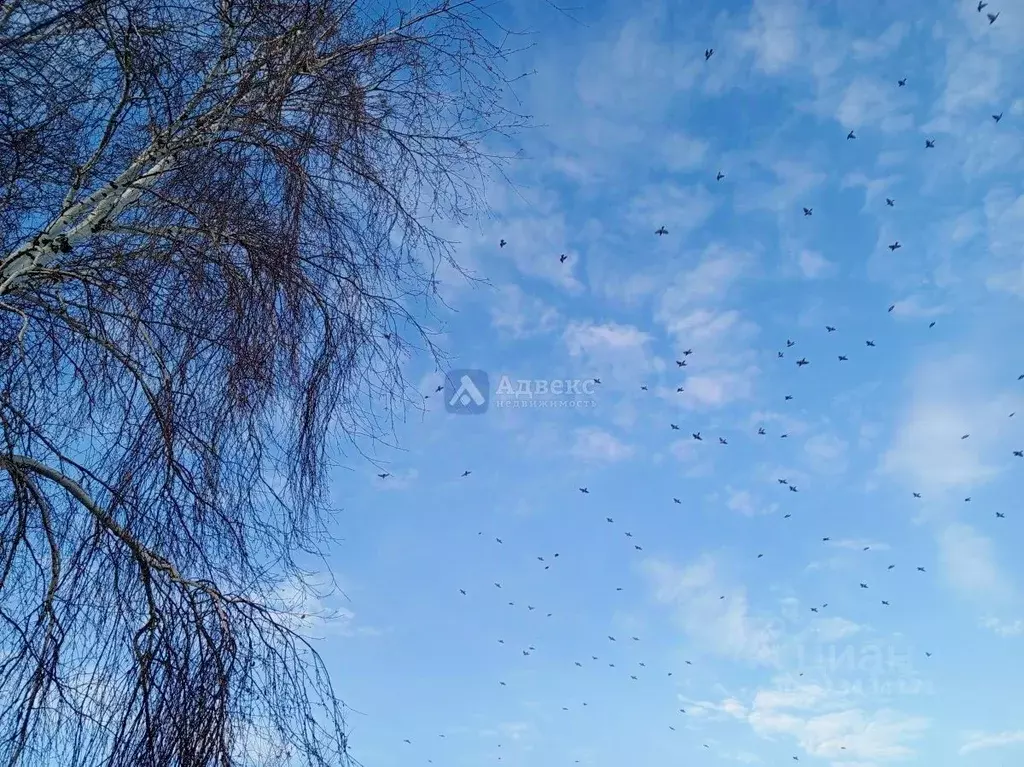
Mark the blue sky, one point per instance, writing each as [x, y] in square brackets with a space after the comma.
[634, 127]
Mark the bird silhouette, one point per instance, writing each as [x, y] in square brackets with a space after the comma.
[696, 436]
[1000, 515]
[895, 246]
[687, 352]
[708, 53]
[681, 363]
[801, 362]
[760, 430]
[870, 343]
[982, 5]
[584, 491]
[992, 17]
[385, 475]
[561, 258]
[720, 176]
[808, 211]
[929, 144]
[850, 135]
[997, 117]
[902, 82]
[466, 473]
[842, 358]
[890, 202]
[661, 231]
[674, 427]
[722, 441]
[830, 329]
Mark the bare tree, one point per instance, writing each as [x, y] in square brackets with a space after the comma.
[216, 252]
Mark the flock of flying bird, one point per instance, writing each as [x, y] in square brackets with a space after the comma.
[634, 667]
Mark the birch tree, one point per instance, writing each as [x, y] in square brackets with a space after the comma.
[217, 246]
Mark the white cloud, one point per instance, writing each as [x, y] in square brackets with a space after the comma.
[682, 152]
[745, 503]
[680, 209]
[1003, 628]
[520, 315]
[824, 725]
[618, 351]
[834, 628]
[594, 444]
[970, 566]
[947, 401]
[724, 626]
[826, 453]
[869, 102]
[813, 265]
[980, 741]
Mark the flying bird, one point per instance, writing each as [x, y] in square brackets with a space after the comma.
[696, 436]
[842, 358]
[721, 441]
[885, 603]
[708, 53]
[891, 307]
[830, 329]
[680, 363]
[890, 567]
[890, 202]
[502, 244]
[661, 231]
[895, 246]
[902, 82]
[584, 491]
[870, 343]
[687, 352]
[863, 585]
[792, 488]
[802, 361]
[1019, 453]
[997, 117]
[597, 380]
[561, 258]
[790, 343]
[1000, 515]
[982, 5]
[992, 17]
[850, 135]
[643, 388]
[385, 475]
[808, 211]
[466, 473]
[760, 430]
[782, 481]
[674, 427]
[920, 569]
[676, 500]
[965, 436]
[929, 143]
[917, 495]
[931, 324]
[788, 397]
[720, 176]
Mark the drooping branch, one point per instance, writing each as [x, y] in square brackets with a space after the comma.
[215, 262]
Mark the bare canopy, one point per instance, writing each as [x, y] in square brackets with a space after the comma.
[215, 254]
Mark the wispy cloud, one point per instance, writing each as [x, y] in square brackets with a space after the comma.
[723, 626]
[980, 741]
